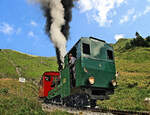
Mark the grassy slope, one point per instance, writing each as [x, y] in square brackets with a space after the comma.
[14, 65]
[22, 98]
[120, 44]
[134, 80]
[17, 98]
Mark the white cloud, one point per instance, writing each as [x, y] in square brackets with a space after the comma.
[131, 11]
[101, 9]
[134, 17]
[33, 23]
[18, 30]
[31, 34]
[118, 36]
[139, 14]
[6, 28]
[120, 1]
[147, 10]
[126, 17]
[85, 6]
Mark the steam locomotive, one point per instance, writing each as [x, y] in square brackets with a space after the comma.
[94, 75]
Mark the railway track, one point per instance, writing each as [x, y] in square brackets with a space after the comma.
[120, 112]
[89, 111]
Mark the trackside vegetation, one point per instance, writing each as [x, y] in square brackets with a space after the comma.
[22, 98]
[18, 98]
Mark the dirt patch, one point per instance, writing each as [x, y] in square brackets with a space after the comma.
[5, 79]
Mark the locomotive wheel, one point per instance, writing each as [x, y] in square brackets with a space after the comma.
[92, 103]
[80, 100]
[66, 102]
[46, 100]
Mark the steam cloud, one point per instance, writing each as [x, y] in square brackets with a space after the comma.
[58, 14]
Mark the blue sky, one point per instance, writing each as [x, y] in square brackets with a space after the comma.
[22, 23]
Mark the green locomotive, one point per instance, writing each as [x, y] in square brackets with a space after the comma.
[94, 74]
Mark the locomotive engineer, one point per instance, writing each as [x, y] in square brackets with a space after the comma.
[72, 68]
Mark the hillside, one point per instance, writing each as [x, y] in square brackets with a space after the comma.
[18, 98]
[133, 88]
[120, 44]
[22, 98]
[15, 64]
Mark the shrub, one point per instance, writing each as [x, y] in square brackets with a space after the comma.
[138, 42]
[128, 45]
[148, 38]
[4, 91]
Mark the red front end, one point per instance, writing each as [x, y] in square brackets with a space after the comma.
[48, 82]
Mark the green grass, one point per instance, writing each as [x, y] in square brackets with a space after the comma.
[29, 67]
[130, 93]
[120, 44]
[19, 98]
[58, 112]
[22, 98]
[133, 60]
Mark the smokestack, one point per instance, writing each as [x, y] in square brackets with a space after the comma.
[58, 14]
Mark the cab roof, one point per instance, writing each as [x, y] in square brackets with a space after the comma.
[52, 73]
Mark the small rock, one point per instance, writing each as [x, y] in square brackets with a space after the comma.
[147, 99]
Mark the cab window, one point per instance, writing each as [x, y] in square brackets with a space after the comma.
[55, 82]
[110, 54]
[47, 77]
[86, 48]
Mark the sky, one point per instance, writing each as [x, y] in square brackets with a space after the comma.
[22, 23]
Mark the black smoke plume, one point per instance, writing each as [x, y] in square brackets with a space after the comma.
[58, 14]
[68, 4]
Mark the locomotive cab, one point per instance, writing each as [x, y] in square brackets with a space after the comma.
[48, 81]
[94, 69]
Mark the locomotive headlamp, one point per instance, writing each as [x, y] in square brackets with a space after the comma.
[85, 70]
[114, 83]
[91, 80]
